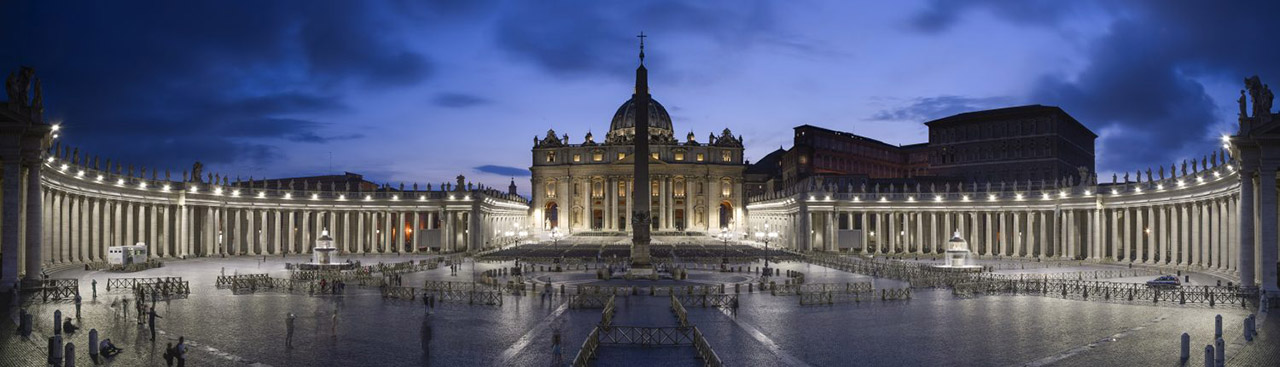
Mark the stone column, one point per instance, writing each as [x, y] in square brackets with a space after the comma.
[1143, 235]
[866, 229]
[1267, 216]
[12, 219]
[1004, 233]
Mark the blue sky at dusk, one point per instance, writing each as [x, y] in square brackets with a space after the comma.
[412, 91]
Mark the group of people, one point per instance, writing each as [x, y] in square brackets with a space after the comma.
[334, 287]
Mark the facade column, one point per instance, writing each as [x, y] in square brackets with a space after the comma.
[1143, 235]
[1267, 217]
[12, 219]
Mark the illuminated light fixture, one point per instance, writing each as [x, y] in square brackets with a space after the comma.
[1087, 193]
[1062, 194]
[288, 195]
[856, 199]
[63, 168]
[194, 190]
[55, 136]
[883, 199]
[368, 197]
[991, 197]
[165, 187]
[1217, 174]
[1114, 192]
[422, 198]
[217, 191]
[342, 197]
[99, 178]
[811, 197]
[1159, 186]
[937, 198]
[450, 197]
[50, 159]
[1137, 190]
[262, 194]
[315, 196]
[964, 197]
[142, 185]
[468, 197]
[1181, 184]
[80, 174]
[395, 197]
[828, 197]
[911, 199]
[1017, 197]
[1200, 179]
[120, 182]
[57, 127]
[1226, 139]
[1044, 196]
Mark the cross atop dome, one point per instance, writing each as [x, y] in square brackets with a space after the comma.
[641, 36]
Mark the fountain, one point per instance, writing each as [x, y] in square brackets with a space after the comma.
[322, 256]
[957, 258]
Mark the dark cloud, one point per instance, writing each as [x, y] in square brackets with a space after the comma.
[163, 83]
[503, 170]
[590, 36]
[458, 100]
[931, 108]
[940, 15]
[1144, 88]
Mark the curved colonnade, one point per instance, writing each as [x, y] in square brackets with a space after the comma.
[85, 210]
[1193, 221]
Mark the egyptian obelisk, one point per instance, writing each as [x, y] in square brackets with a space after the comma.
[641, 200]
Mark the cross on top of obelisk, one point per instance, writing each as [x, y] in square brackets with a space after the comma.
[641, 36]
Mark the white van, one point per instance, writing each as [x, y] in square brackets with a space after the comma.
[125, 255]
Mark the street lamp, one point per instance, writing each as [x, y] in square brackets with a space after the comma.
[724, 235]
[766, 237]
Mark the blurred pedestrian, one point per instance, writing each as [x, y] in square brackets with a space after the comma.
[288, 326]
[152, 322]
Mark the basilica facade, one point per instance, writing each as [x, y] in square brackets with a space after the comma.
[696, 185]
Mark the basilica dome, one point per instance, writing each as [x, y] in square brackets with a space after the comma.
[624, 121]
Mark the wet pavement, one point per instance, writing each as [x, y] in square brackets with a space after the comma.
[934, 328]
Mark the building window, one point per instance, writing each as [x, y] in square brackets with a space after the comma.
[726, 155]
[597, 156]
[577, 157]
[654, 154]
[700, 158]
[621, 155]
[551, 157]
[679, 156]
[726, 187]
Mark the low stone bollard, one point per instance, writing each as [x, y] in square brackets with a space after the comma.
[93, 345]
[69, 356]
[1217, 327]
[1248, 334]
[1220, 352]
[55, 350]
[57, 322]
[1208, 356]
[1186, 348]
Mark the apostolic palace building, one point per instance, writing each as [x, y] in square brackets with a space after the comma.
[1015, 182]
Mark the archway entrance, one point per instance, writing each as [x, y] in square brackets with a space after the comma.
[553, 216]
[597, 219]
[726, 214]
[678, 218]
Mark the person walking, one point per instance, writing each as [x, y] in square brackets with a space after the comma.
[124, 307]
[77, 306]
[169, 354]
[152, 322]
[95, 288]
[333, 323]
[181, 352]
[288, 327]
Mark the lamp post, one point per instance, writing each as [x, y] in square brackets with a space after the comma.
[766, 237]
[724, 235]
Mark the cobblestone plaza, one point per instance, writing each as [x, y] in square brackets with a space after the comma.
[228, 329]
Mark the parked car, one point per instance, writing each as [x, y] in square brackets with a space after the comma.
[1164, 281]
